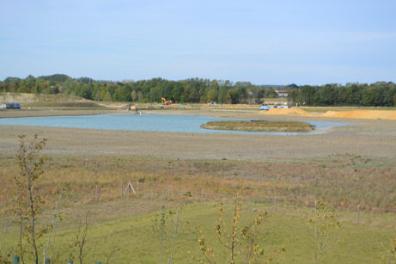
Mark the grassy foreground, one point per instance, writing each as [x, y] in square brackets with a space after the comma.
[287, 236]
[260, 126]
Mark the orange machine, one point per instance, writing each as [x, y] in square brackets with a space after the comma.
[166, 102]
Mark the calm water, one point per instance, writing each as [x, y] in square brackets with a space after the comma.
[146, 122]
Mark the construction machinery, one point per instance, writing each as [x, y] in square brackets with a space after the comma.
[166, 102]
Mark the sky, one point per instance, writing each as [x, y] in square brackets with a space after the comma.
[262, 41]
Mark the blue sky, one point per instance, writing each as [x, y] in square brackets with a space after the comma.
[263, 41]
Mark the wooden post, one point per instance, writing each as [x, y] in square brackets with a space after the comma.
[129, 189]
[16, 259]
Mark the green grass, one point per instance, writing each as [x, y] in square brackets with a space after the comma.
[137, 242]
[260, 126]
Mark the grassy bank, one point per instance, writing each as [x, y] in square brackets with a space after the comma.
[260, 126]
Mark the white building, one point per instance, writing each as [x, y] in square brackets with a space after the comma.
[282, 92]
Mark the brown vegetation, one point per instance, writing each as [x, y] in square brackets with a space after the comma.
[347, 181]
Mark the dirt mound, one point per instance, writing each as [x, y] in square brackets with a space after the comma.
[362, 114]
[27, 98]
[351, 114]
[48, 100]
[289, 111]
[19, 97]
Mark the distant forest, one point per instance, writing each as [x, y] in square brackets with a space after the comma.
[204, 91]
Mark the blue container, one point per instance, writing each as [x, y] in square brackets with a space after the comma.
[264, 107]
[13, 106]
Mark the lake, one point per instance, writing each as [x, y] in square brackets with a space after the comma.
[149, 122]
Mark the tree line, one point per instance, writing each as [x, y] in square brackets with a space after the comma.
[184, 91]
[354, 94]
[204, 91]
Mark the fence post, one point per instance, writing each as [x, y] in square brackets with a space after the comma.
[15, 259]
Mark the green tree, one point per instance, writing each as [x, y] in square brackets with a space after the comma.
[107, 96]
[134, 96]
